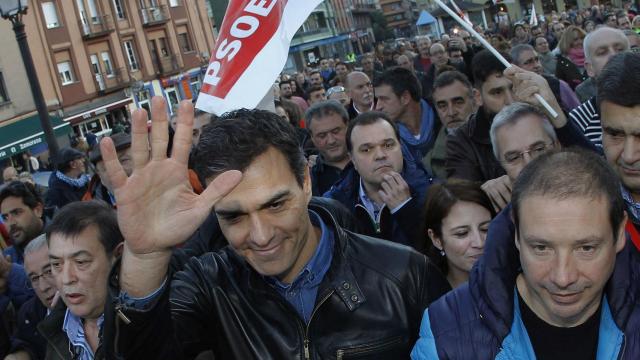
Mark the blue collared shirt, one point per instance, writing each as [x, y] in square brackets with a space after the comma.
[633, 207]
[302, 292]
[374, 209]
[74, 329]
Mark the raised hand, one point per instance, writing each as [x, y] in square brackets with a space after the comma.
[394, 190]
[157, 207]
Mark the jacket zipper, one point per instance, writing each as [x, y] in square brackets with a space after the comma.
[367, 348]
[376, 222]
[126, 320]
[307, 354]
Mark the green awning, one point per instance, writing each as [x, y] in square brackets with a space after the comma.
[27, 133]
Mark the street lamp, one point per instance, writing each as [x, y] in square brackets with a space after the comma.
[13, 10]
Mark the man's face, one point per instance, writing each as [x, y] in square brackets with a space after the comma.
[558, 30]
[536, 32]
[454, 104]
[316, 79]
[375, 151]
[624, 23]
[456, 57]
[126, 160]
[423, 45]
[530, 61]
[324, 64]
[328, 136]
[603, 45]
[495, 94]
[360, 90]
[612, 21]
[620, 129]
[542, 45]
[285, 90]
[438, 55]
[404, 62]
[80, 267]
[38, 269]
[9, 174]
[340, 96]
[567, 251]
[265, 218]
[23, 223]
[342, 70]
[520, 143]
[367, 64]
[389, 103]
[317, 96]
[521, 32]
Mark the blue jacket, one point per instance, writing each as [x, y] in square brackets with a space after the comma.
[402, 226]
[18, 289]
[481, 319]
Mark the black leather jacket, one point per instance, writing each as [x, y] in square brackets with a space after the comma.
[369, 305]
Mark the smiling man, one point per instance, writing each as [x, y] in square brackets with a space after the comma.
[290, 284]
[564, 288]
[84, 242]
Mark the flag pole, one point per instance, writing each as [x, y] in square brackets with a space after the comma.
[495, 52]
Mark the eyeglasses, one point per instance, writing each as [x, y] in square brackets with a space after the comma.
[35, 279]
[514, 158]
[335, 90]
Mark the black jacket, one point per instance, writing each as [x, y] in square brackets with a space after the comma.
[60, 193]
[365, 307]
[27, 338]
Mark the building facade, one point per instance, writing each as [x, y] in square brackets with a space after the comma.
[97, 60]
[401, 16]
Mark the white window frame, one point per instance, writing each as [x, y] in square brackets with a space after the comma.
[174, 3]
[65, 72]
[166, 93]
[129, 49]
[120, 12]
[108, 65]
[146, 101]
[50, 14]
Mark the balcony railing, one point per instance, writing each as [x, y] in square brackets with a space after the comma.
[167, 65]
[154, 15]
[363, 8]
[96, 26]
[117, 79]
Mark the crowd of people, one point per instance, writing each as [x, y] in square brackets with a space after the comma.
[419, 202]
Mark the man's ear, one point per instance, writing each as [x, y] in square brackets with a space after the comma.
[117, 252]
[589, 67]
[38, 210]
[306, 184]
[405, 98]
[477, 97]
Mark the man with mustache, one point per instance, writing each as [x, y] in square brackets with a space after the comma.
[22, 209]
[384, 191]
[360, 90]
[84, 241]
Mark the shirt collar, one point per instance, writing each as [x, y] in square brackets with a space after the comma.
[74, 329]
[372, 208]
[633, 207]
[315, 269]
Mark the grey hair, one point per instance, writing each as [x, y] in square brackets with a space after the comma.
[325, 108]
[36, 244]
[517, 50]
[510, 115]
[589, 38]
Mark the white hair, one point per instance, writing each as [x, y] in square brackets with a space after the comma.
[589, 38]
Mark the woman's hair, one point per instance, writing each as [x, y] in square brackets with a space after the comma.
[440, 199]
[568, 37]
[292, 110]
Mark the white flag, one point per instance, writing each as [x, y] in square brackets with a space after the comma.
[533, 21]
[250, 52]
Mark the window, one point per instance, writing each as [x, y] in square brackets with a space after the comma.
[50, 15]
[106, 60]
[143, 100]
[172, 99]
[117, 4]
[185, 43]
[131, 56]
[174, 3]
[195, 88]
[93, 11]
[4, 96]
[66, 75]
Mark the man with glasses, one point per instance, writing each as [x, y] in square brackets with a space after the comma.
[525, 56]
[28, 343]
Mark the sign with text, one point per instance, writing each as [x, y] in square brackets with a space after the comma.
[251, 50]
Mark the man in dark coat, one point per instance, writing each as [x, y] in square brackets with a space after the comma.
[69, 182]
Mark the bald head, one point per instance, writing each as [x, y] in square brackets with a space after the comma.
[600, 45]
[354, 77]
[9, 174]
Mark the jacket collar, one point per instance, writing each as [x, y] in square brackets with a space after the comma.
[339, 278]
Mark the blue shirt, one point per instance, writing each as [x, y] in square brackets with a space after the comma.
[74, 329]
[302, 292]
